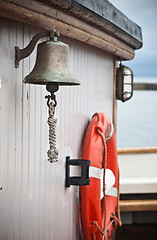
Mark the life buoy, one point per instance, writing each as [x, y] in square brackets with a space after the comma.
[98, 215]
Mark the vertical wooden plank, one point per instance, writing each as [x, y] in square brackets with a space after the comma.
[114, 97]
[37, 159]
[25, 135]
[18, 138]
[31, 145]
[4, 127]
[43, 163]
[0, 98]
[11, 128]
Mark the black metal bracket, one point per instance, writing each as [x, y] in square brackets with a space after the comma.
[84, 179]
[25, 52]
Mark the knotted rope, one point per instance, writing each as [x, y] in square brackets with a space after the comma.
[115, 220]
[52, 153]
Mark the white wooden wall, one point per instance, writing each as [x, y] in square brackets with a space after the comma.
[34, 203]
[142, 176]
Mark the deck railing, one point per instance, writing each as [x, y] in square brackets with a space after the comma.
[137, 150]
[144, 155]
[145, 86]
[139, 177]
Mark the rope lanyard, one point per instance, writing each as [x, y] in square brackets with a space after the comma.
[114, 218]
[52, 153]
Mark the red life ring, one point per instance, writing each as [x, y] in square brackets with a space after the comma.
[98, 216]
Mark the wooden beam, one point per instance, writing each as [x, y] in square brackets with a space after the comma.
[104, 15]
[137, 150]
[114, 97]
[47, 17]
[145, 86]
[138, 205]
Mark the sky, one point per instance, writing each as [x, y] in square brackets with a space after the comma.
[144, 14]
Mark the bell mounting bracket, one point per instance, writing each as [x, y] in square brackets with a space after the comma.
[82, 180]
[25, 52]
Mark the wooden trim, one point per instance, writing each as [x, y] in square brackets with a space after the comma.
[48, 17]
[138, 205]
[114, 97]
[104, 15]
[137, 150]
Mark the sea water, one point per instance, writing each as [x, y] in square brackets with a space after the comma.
[137, 119]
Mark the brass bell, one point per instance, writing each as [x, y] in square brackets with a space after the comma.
[52, 68]
[52, 65]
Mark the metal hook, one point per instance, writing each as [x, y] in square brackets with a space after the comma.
[53, 97]
[48, 97]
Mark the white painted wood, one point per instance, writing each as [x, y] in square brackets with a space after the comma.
[138, 173]
[34, 203]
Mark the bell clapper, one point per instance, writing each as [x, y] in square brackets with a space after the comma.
[52, 153]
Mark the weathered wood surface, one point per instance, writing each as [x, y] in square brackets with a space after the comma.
[34, 203]
[137, 150]
[145, 86]
[138, 205]
[48, 17]
[104, 15]
[114, 99]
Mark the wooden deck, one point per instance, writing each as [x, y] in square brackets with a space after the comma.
[138, 205]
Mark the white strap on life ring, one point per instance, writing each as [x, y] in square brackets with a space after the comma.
[109, 180]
